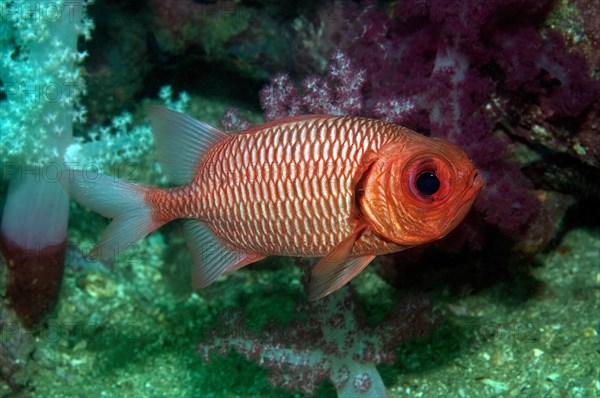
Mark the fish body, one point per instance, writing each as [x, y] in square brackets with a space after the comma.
[338, 187]
[284, 189]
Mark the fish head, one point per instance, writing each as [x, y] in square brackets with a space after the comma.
[418, 190]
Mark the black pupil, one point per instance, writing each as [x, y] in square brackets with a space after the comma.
[428, 183]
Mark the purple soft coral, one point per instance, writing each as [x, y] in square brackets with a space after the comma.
[442, 68]
[332, 344]
[339, 93]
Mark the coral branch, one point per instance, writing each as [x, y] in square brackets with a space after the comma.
[334, 343]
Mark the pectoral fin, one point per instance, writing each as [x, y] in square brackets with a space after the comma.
[337, 268]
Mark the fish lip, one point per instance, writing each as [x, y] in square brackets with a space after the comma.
[477, 181]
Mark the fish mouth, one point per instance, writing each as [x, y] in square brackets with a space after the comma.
[463, 206]
[477, 181]
[470, 194]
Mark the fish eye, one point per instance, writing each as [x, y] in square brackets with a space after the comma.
[427, 183]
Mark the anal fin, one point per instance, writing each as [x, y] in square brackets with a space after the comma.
[337, 268]
[211, 257]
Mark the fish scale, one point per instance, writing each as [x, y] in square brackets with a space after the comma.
[247, 202]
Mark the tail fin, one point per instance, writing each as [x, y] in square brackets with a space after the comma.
[113, 198]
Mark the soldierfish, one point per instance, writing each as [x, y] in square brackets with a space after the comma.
[342, 188]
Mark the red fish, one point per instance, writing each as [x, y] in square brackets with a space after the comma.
[342, 188]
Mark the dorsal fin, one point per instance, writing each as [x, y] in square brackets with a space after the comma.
[180, 142]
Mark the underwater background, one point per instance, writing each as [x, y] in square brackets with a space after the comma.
[506, 305]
